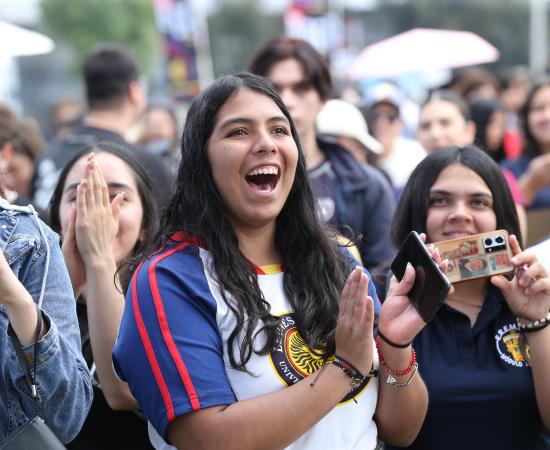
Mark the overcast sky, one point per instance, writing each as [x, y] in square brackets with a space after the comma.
[19, 11]
[27, 11]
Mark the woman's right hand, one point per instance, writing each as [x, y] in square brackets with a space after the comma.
[72, 257]
[97, 217]
[354, 335]
[399, 320]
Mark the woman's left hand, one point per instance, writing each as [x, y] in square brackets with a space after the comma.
[399, 320]
[528, 293]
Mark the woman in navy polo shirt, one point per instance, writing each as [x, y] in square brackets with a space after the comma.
[485, 358]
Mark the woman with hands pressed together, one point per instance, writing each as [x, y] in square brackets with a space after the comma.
[250, 327]
[485, 356]
[103, 206]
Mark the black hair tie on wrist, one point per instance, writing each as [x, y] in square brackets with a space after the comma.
[391, 343]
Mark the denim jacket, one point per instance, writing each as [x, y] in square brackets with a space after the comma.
[63, 380]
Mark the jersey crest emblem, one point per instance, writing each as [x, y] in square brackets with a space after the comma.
[293, 360]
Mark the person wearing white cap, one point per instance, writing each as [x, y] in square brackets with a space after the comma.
[351, 196]
[346, 122]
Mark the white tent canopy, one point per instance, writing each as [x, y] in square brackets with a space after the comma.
[17, 41]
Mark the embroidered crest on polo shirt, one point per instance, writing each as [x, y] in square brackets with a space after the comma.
[293, 360]
[509, 343]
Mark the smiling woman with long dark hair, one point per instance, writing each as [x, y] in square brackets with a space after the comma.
[532, 167]
[486, 354]
[249, 295]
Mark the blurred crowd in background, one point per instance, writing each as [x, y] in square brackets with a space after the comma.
[372, 88]
[426, 103]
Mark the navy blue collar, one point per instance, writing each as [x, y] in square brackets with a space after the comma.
[493, 305]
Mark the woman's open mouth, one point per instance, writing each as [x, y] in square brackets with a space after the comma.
[263, 179]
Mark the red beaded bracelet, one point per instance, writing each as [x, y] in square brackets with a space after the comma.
[388, 369]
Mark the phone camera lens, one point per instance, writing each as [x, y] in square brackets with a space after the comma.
[499, 239]
[488, 241]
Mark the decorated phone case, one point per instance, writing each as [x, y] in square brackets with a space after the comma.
[477, 256]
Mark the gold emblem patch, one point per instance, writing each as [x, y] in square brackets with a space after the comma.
[511, 347]
[293, 360]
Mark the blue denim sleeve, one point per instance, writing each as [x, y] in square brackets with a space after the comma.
[64, 383]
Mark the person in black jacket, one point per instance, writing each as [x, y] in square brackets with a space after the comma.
[116, 98]
[354, 198]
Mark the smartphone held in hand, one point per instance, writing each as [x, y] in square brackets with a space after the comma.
[477, 256]
[431, 286]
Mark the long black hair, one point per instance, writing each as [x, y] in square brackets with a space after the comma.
[532, 147]
[315, 270]
[412, 209]
[483, 110]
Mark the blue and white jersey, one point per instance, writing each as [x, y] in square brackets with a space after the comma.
[172, 349]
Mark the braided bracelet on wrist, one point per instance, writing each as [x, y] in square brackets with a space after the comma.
[357, 378]
[351, 371]
[534, 325]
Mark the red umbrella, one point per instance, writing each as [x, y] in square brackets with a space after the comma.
[420, 50]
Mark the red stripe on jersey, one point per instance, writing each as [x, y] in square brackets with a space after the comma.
[165, 329]
[157, 373]
[257, 269]
[195, 241]
[182, 236]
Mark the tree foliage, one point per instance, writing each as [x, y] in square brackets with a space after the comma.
[237, 30]
[83, 24]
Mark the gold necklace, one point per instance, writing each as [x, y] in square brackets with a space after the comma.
[465, 303]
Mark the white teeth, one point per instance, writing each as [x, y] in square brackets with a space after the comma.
[264, 171]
